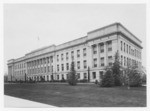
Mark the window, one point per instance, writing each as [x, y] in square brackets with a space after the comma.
[52, 59]
[62, 57]
[124, 47]
[78, 75]
[72, 55]
[78, 64]
[124, 61]
[85, 75]
[84, 52]
[57, 67]
[67, 57]
[47, 60]
[57, 77]
[110, 60]
[101, 47]
[127, 61]
[94, 49]
[57, 58]
[85, 64]
[62, 67]
[127, 48]
[121, 60]
[67, 66]
[102, 61]
[67, 76]
[101, 74]
[94, 75]
[45, 70]
[52, 68]
[48, 69]
[62, 76]
[95, 62]
[109, 45]
[121, 45]
[78, 53]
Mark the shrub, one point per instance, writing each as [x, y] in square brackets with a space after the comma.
[135, 79]
[83, 80]
[108, 80]
[72, 80]
[116, 71]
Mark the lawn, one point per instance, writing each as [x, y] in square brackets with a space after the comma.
[82, 95]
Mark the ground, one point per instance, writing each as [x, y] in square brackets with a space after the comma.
[82, 95]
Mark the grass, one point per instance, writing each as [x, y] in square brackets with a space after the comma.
[82, 95]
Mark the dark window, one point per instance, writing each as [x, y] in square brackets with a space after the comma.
[62, 57]
[102, 61]
[101, 47]
[121, 45]
[62, 67]
[95, 62]
[78, 74]
[94, 49]
[67, 66]
[78, 64]
[85, 75]
[94, 75]
[57, 67]
[57, 77]
[67, 57]
[109, 45]
[84, 52]
[85, 64]
[78, 53]
[57, 57]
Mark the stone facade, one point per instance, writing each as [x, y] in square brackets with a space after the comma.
[91, 55]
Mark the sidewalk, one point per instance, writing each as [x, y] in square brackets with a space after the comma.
[13, 102]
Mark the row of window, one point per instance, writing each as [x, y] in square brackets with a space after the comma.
[102, 61]
[40, 70]
[21, 72]
[109, 47]
[61, 76]
[72, 55]
[40, 61]
[67, 65]
[127, 48]
[19, 66]
[129, 62]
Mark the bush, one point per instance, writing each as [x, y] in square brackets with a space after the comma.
[62, 80]
[96, 81]
[135, 79]
[83, 80]
[108, 80]
[72, 80]
[116, 71]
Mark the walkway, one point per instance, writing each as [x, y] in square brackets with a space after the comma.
[13, 102]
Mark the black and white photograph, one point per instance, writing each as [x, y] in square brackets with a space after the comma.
[74, 55]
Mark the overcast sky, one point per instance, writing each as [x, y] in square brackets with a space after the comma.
[59, 23]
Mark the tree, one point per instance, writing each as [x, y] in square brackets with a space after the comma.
[133, 76]
[116, 70]
[72, 80]
[108, 79]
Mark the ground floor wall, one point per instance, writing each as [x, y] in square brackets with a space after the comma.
[90, 76]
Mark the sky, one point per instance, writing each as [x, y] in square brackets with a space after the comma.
[31, 26]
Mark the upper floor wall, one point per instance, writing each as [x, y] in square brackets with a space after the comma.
[91, 38]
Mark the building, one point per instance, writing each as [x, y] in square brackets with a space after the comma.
[91, 55]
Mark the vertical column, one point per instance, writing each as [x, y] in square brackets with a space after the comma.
[106, 53]
[98, 55]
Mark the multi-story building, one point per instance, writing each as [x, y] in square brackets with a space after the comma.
[91, 55]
